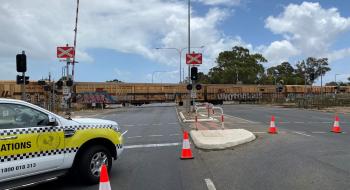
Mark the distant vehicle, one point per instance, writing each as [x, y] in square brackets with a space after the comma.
[37, 145]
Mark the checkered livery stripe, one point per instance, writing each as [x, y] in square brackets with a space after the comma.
[43, 153]
[38, 154]
[20, 131]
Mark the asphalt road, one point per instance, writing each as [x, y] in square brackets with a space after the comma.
[142, 167]
[303, 155]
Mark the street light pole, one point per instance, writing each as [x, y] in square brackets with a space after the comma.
[179, 51]
[189, 51]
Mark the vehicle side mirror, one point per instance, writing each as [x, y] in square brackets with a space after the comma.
[52, 120]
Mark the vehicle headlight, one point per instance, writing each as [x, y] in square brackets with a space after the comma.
[116, 128]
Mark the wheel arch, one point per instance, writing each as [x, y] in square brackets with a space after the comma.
[93, 142]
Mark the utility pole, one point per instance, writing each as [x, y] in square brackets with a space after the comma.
[189, 51]
[75, 37]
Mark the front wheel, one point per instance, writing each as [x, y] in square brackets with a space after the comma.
[91, 162]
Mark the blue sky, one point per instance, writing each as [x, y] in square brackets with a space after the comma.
[118, 39]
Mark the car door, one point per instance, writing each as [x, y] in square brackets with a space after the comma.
[29, 144]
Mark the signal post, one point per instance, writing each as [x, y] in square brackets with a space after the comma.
[194, 59]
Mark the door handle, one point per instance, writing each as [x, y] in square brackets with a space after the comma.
[8, 138]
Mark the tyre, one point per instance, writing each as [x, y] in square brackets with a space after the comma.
[90, 163]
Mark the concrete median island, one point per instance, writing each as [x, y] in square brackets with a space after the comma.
[221, 139]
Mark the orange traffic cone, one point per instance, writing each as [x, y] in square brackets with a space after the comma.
[186, 152]
[273, 128]
[336, 127]
[104, 180]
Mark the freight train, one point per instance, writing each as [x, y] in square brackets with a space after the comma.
[144, 93]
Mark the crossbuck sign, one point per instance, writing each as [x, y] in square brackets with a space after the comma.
[65, 52]
[194, 58]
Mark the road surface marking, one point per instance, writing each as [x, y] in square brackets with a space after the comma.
[326, 122]
[210, 184]
[284, 122]
[176, 134]
[319, 132]
[124, 132]
[128, 125]
[240, 118]
[172, 123]
[134, 137]
[151, 145]
[142, 124]
[299, 122]
[155, 135]
[300, 133]
[157, 124]
[259, 132]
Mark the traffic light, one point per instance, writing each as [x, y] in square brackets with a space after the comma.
[59, 83]
[194, 73]
[189, 87]
[312, 76]
[279, 89]
[69, 82]
[21, 63]
[26, 79]
[19, 79]
[198, 86]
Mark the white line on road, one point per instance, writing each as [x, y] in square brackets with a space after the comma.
[172, 123]
[240, 118]
[319, 132]
[284, 122]
[299, 122]
[134, 137]
[301, 133]
[176, 134]
[210, 184]
[155, 135]
[157, 124]
[151, 145]
[128, 125]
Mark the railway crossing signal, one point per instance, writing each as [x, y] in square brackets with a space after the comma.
[22, 79]
[194, 73]
[194, 58]
[65, 52]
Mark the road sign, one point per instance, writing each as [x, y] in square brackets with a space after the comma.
[65, 52]
[193, 94]
[194, 58]
[65, 90]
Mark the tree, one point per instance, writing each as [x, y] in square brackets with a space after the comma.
[237, 66]
[283, 72]
[203, 78]
[313, 66]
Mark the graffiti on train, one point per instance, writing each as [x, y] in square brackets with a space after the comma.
[239, 96]
[5, 94]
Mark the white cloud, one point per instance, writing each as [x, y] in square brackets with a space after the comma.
[124, 26]
[308, 27]
[221, 2]
[279, 51]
